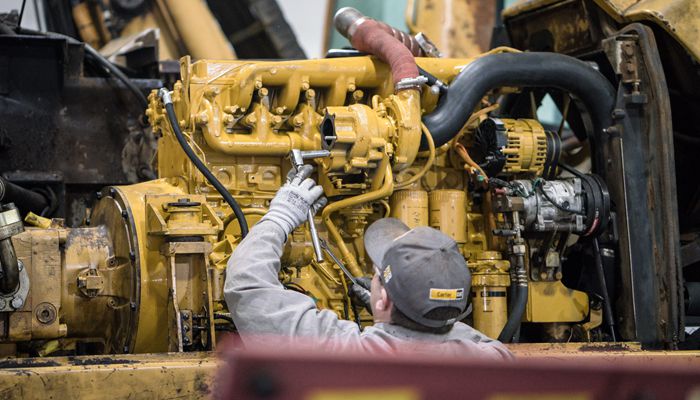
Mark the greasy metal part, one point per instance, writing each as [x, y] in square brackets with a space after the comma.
[10, 225]
[16, 299]
[168, 375]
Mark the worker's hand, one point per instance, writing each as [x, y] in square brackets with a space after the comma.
[292, 202]
[360, 293]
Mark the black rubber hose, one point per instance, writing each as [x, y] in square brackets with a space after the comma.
[600, 274]
[515, 315]
[170, 110]
[26, 200]
[518, 304]
[519, 70]
[117, 73]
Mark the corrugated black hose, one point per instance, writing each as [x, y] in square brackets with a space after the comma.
[170, 110]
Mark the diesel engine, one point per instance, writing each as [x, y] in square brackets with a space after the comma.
[393, 130]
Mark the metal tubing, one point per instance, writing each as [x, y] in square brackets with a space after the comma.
[384, 191]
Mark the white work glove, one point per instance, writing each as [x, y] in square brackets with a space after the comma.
[290, 206]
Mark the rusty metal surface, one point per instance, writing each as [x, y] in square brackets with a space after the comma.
[609, 353]
[459, 28]
[678, 17]
[146, 376]
[563, 27]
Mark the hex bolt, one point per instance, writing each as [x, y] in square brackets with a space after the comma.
[133, 305]
[618, 113]
[132, 256]
[125, 214]
[98, 195]
[112, 192]
[17, 303]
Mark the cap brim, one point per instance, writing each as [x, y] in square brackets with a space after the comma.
[380, 235]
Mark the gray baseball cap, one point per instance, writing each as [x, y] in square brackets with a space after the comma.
[420, 268]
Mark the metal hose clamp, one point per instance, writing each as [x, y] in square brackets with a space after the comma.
[411, 83]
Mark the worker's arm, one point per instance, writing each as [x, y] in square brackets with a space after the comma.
[258, 302]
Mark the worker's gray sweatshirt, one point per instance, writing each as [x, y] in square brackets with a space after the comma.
[261, 307]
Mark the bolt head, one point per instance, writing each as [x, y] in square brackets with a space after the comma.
[17, 303]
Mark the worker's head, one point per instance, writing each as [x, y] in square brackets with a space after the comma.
[421, 280]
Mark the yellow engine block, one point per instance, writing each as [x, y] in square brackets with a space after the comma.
[147, 276]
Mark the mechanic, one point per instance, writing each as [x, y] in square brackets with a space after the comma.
[418, 292]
